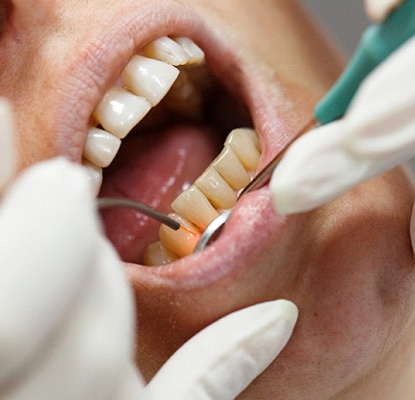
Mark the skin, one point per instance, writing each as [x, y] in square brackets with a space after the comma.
[348, 265]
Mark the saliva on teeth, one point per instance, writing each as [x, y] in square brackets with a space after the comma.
[212, 193]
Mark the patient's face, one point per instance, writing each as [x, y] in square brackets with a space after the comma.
[348, 265]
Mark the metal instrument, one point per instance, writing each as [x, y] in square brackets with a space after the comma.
[377, 43]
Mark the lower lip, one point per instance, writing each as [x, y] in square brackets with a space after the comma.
[252, 230]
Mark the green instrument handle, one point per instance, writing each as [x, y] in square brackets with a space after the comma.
[376, 44]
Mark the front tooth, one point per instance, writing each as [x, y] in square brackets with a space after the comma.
[149, 78]
[194, 53]
[216, 189]
[242, 143]
[120, 110]
[231, 169]
[166, 50]
[101, 147]
[193, 205]
[94, 175]
[157, 254]
[181, 242]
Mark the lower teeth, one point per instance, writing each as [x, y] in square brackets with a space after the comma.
[212, 193]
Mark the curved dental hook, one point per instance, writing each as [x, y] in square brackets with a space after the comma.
[110, 202]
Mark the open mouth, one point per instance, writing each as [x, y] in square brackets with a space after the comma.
[168, 117]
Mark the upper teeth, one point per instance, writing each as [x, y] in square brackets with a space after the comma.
[167, 50]
[101, 147]
[147, 79]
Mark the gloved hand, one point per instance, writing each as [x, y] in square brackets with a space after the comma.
[376, 134]
[67, 314]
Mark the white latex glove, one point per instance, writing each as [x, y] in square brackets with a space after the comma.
[376, 134]
[378, 10]
[67, 313]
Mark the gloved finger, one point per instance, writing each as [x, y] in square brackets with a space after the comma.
[91, 354]
[48, 235]
[381, 117]
[224, 358]
[7, 146]
[315, 170]
[378, 10]
[376, 134]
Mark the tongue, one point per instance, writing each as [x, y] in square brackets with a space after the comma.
[153, 169]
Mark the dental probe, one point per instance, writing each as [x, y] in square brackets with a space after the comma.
[109, 202]
[376, 44]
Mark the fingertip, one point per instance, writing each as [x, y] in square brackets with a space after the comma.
[287, 309]
[379, 10]
[63, 176]
[278, 322]
[283, 192]
[295, 183]
[315, 170]
[50, 207]
[59, 184]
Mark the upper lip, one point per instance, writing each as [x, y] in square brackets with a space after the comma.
[99, 64]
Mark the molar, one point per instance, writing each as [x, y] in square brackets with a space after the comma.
[149, 78]
[166, 50]
[194, 53]
[101, 147]
[120, 111]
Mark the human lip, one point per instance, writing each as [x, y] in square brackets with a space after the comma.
[250, 231]
[256, 208]
[99, 63]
